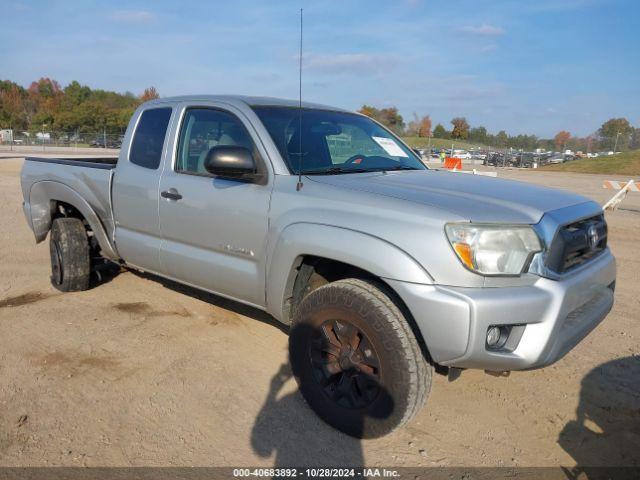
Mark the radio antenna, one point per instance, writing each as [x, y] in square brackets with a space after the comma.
[299, 185]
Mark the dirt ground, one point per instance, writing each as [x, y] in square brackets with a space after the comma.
[139, 372]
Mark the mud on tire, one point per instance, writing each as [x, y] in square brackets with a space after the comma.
[356, 360]
[70, 258]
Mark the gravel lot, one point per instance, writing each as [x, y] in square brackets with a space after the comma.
[142, 372]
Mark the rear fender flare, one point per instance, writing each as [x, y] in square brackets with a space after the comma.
[41, 198]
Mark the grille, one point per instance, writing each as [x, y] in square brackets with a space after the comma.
[577, 243]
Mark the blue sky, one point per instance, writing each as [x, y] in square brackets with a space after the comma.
[524, 66]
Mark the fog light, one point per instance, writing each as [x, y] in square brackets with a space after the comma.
[493, 336]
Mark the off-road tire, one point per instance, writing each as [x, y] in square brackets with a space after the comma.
[405, 376]
[70, 259]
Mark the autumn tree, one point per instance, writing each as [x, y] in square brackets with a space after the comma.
[369, 111]
[13, 112]
[74, 108]
[460, 128]
[615, 128]
[389, 117]
[44, 99]
[45, 88]
[419, 127]
[561, 139]
[424, 130]
[149, 94]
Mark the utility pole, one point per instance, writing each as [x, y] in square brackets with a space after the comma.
[615, 146]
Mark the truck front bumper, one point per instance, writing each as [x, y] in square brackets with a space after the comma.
[548, 318]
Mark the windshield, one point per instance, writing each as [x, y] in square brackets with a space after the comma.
[323, 141]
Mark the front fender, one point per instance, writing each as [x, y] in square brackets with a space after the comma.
[40, 212]
[362, 250]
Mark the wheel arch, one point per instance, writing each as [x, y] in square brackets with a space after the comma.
[44, 199]
[293, 272]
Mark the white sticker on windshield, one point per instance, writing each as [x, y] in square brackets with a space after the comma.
[390, 146]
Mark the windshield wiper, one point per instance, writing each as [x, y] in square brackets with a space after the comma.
[336, 171]
[401, 167]
[339, 170]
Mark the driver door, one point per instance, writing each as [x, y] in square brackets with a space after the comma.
[214, 230]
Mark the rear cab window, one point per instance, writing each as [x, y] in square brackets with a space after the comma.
[148, 140]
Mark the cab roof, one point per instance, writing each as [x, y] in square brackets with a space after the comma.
[246, 100]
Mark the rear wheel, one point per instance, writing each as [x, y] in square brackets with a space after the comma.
[70, 259]
[356, 359]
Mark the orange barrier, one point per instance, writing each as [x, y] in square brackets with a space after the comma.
[453, 163]
[623, 188]
[615, 185]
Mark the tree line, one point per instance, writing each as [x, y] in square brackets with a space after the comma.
[615, 133]
[78, 108]
[74, 108]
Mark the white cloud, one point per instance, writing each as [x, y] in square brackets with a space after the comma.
[482, 30]
[487, 48]
[132, 16]
[348, 62]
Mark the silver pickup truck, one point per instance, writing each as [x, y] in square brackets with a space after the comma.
[385, 270]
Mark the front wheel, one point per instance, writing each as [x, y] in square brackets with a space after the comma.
[356, 360]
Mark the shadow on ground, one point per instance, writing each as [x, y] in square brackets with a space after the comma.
[606, 431]
[337, 387]
[288, 428]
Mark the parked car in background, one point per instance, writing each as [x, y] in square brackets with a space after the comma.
[495, 159]
[461, 154]
[478, 154]
[526, 159]
[109, 142]
[556, 158]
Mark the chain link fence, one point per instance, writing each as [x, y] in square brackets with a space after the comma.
[45, 139]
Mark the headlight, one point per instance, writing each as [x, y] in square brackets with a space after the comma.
[493, 249]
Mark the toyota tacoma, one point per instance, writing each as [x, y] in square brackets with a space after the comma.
[386, 271]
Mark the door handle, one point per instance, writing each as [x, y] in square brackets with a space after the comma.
[171, 194]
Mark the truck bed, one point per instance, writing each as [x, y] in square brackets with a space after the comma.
[86, 179]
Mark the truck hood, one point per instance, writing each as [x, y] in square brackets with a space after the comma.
[473, 197]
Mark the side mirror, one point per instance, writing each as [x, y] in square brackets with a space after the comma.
[232, 162]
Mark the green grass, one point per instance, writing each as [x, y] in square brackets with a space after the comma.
[422, 142]
[626, 163]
